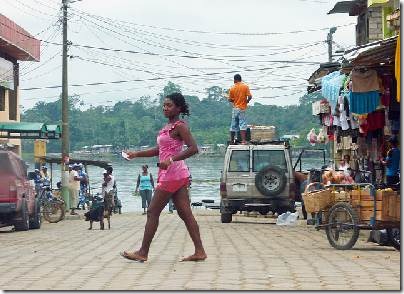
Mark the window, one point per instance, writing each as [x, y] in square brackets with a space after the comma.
[263, 158]
[2, 99]
[240, 161]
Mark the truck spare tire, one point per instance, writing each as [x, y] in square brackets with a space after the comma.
[270, 180]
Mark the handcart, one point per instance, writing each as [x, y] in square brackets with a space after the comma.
[342, 222]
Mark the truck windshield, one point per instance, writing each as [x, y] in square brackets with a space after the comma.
[240, 161]
[264, 158]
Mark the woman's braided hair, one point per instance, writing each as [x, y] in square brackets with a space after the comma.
[179, 101]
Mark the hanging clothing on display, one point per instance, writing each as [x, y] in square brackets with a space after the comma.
[327, 120]
[343, 120]
[362, 103]
[335, 121]
[376, 120]
[394, 107]
[330, 87]
[387, 83]
[364, 80]
[364, 96]
[354, 121]
[363, 124]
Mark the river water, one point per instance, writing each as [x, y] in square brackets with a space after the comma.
[205, 173]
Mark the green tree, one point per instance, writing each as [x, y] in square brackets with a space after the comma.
[135, 123]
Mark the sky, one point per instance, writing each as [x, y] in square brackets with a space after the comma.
[274, 44]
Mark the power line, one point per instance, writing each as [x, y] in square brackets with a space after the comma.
[149, 79]
[187, 52]
[155, 73]
[183, 56]
[49, 71]
[197, 43]
[229, 65]
[138, 88]
[164, 57]
[226, 33]
[43, 63]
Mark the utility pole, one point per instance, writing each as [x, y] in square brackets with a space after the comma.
[329, 42]
[65, 114]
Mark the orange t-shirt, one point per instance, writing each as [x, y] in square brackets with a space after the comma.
[239, 93]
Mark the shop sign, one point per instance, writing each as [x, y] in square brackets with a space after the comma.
[6, 74]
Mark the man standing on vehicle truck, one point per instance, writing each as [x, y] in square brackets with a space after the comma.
[240, 96]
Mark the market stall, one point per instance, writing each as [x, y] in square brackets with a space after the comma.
[360, 111]
[360, 118]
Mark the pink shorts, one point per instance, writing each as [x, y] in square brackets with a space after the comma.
[172, 186]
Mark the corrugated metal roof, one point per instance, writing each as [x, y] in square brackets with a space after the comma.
[371, 54]
[352, 7]
[29, 130]
[17, 42]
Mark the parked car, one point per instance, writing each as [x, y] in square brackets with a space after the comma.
[18, 204]
[257, 177]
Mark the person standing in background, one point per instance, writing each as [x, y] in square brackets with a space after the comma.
[145, 186]
[392, 162]
[109, 182]
[83, 186]
[74, 187]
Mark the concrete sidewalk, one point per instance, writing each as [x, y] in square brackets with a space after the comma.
[247, 254]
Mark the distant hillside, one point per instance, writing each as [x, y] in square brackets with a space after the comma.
[136, 123]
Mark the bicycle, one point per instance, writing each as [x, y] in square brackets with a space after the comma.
[52, 208]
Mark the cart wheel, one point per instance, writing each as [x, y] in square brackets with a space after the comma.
[394, 237]
[342, 231]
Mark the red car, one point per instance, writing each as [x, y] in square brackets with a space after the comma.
[19, 206]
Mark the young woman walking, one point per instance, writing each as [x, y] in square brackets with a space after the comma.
[144, 185]
[173, 178]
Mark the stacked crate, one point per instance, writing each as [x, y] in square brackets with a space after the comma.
[341, 196]
[262, 133]
[387, 205]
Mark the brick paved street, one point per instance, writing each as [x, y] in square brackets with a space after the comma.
[247, 254]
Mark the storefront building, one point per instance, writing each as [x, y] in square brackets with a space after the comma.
[360, 109]
[16, 44]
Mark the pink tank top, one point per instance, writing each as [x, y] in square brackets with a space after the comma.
[169, 147]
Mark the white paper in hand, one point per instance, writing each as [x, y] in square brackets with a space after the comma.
[125, 155]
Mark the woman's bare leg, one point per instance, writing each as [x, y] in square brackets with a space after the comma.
[181, 202]
[158, 202]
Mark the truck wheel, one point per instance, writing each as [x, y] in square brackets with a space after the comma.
[270, 181]
[23, 224]
[226, 217]
[35, 222]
